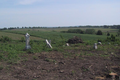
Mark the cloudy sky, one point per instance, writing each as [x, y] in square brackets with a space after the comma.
[54, 13]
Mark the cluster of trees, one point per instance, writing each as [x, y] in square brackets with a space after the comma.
[87, 26]
[102, 26]
[87, 31]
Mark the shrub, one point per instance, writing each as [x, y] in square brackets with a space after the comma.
[108, 34]
[5, 39]
[90, 31]
[75, 31]
[22, 39]
[112, 38]
[99, 40]
[99, 32]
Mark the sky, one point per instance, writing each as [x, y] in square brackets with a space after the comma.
[55, 13]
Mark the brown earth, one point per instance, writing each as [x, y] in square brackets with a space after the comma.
[55, 66]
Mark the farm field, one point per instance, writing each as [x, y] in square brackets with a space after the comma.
[75, 62]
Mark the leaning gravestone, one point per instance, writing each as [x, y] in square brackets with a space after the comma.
[67, 44]
[27, 41]
[48, 43]
[99, 43]
[95, 46]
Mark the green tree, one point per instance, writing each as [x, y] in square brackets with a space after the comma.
[118, 32]
[108, 34]
[99, 32]
[90, 31]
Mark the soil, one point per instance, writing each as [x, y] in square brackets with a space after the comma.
[55, 66]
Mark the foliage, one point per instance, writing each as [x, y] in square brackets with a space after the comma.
[11, 51]
[108, 34]
[99, 40]
[5, 39]
[22, 39]
[99, 32]
[118, 32]
[74, 31]
[90, 31]
[112, 38]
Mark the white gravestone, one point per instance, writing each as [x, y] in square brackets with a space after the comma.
[27, 41]
[99, 43]
[67, 44]
[48, 43]
[95, 46]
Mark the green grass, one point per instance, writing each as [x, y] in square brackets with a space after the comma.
[11, 51]
[57, 35]
[15, 36]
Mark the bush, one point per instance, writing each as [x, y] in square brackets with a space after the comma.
[90, 31]
[99, 32]
[75, 31]
[108, 34]
[22, 39]
[5, 39]
[112, 38]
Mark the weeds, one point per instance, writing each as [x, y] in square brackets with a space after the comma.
[50, 60]
[11, 49]
[35, 58]
[1, 67]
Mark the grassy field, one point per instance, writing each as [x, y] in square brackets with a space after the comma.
[54, 33]
[38, 36]
[16, 62]
[16, 36]
[65, 29]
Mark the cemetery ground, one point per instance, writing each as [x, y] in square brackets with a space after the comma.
[75, 62]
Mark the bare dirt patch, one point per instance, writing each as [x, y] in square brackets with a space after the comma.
[55, 66]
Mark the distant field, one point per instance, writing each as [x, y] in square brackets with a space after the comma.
[55, 34]
[17, 36]
[65, 29]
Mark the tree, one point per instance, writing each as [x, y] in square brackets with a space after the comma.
[99, 32]
[108, 34]
[118, 32]
[90, 31]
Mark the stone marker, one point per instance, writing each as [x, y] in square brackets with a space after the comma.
[48, 43]
[67, 44]
[27, 41]
[99, 43]
[95, 46]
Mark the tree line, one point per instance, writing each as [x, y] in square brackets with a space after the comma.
[87, 26]
[87, 31]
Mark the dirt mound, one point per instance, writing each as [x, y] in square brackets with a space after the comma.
[75, 40]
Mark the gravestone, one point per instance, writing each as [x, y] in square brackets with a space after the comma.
[49, 45]
[27, 37]
[49, 41]
[67, 44]
[99, 43]
[95, 46]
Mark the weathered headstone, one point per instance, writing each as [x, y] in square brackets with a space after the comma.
[67, 44]
[49, 45]
[95, 46]
[49, 41]
[27, 41]
[99, 43]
